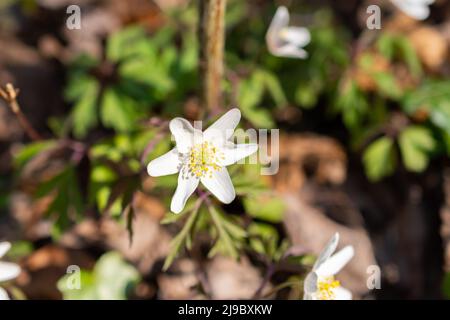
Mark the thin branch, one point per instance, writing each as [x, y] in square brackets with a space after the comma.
[268, 275]
[9, 94]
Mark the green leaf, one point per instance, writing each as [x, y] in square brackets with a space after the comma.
[225, 243]
[106, 203]
[387, 85]
[117, 111]
[379, 158]
[416, 143]
[102, 174]
[265, 207]
[273, 86]
[20, 249]
[67, 202]
[446, 285]
[307, 94]
[263, 238]
[385, 45]
[29, 151]
[409, 55]
[392, 46]
[432, 97]
[353, 105]
[129, 42]
[250, 95]
[180, 239]
[84, 112]
[111, 279]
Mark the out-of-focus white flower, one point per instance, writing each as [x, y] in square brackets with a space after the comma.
[320, 283]
[417, 9]
[202, 157]
[8, 271]
[284, 41]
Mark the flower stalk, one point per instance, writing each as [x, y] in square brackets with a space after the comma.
[211, 39]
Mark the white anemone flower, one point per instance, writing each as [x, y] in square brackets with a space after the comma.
[8, 271]
[285, 41]
[202, 157]
[417, 9]
[320, 283]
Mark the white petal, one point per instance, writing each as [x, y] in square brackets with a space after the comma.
[423, 2]
[224, 127]
[342, 294]
[184, 134]
[8, 271]
[186, 186]
[289, 50]
[3, 294]
[415, 9]
[4, 248]
[280, 20]
[168, 163]
[232, 153]
[309, 285]
[336, 262]
[327, 251]
[296, 35]
[220, 185]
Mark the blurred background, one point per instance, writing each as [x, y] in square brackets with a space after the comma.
[364, 126]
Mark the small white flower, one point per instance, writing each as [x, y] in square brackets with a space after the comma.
[417, 9]
[8, 271]
[320, 283]
[202, 157]
[284, 41]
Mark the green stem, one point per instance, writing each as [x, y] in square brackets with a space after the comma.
[223, 234]
[182, 235]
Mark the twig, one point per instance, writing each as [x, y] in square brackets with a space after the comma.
[211, 38]
[268, 275]
[9, 94]
[282, 286]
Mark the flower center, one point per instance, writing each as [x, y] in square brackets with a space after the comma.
[325, 288]
[203, 159]
[284, 34]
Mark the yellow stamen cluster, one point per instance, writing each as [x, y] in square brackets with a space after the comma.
[282, 33]
[203, 159]
[325, 288]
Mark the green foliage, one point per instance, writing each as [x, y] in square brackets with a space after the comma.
[111, 279]
[433, 97]
[19, 249]
[380, 158]
[265, 207]
[138, 72]
[115, 172]
[251, 93]
[446, 285]
[264, 239]
[353, 104]
[29, 151]
[397, 47]
[184, 235]
[66, 204]
[84, 114]
[416, 143]
[227, 233]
